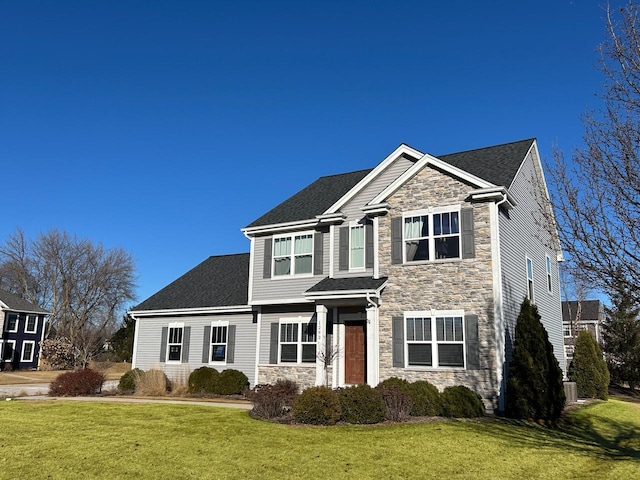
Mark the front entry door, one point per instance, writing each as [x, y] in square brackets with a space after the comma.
[355, 358]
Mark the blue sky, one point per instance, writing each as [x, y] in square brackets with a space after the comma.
[164, 127]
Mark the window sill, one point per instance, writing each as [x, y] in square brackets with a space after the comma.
[434, 262]
[289, 277]
[434, 369]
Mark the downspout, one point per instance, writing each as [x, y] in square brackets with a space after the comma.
[134, 354]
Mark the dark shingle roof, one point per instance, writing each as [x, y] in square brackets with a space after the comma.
[19, 304]
[591, 310]
[349, 283]
[312, 200]
[219, 281]
[498, 164]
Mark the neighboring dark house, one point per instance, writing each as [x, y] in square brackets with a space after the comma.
[591, 318]
[414, 269]
[21, 329]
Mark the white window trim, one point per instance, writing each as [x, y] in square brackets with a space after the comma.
[432, 314]
[530, 280]
[15, 330]
[364, 247]
[547, 263]
[299, 321]
[431, 241]
[26, 324]
[33, 350]
[170, 326]
[292, 255]
[566, 325]
[214, 324]
[13, 350]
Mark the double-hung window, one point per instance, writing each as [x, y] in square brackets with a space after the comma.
[174, 342]
[433, 234]
[219, 341]
[293, 254]
[297, 341]
[12, 323]
[28, 349]
[31, 324]
[548, 265]
[356, 247]
[435, 339]
[8, 350]
[530, 279]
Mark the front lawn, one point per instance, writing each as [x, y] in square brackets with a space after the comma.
[60, 439]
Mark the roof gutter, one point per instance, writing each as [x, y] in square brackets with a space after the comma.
[190, 311]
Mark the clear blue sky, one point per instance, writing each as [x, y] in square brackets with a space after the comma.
[164, 127]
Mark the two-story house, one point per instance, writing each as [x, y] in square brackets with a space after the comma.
[581, 315]
[413, 269]
[22, 327]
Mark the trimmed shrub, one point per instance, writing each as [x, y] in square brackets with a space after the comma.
[231, 382]
[153, 382]
[317, 406]
[74, 384]
[273, 401]
[398, 402]
[129, 380]
[589, 369]
[425, 399]
[203, 380]
[362, 404]
[462, 402]
[534, 380]
[401, 383]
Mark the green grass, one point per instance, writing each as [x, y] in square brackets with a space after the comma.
[75, 440]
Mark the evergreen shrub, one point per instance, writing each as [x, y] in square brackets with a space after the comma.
[362, 404]
[203, 380]
[231, 382]
[317, 406]
[589, 369]
[462, 402]
[425, 399]
[129, 380]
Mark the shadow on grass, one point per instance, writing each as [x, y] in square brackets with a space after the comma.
[605, 438]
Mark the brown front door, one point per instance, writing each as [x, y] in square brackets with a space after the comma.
[355, 359]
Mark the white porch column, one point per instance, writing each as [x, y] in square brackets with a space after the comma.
[373, 349]
[338, 344]
[321, 345]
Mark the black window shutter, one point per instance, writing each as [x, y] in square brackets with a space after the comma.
[472, 341]
[268, 245]
[186, 336]
[468, 240]
[163, 344]
[231, 343]
[343, 249]
[273, 348]
[396, 240]
[317, 253]
[368, 235]
[397, 335]
[206, 344]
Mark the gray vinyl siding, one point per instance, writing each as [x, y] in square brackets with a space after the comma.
[353, 208]
[281, 288]
[274, 314]
[149, 344]
[522, 237]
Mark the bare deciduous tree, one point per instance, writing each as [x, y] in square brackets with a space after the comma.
[82, 284]
[596, 195]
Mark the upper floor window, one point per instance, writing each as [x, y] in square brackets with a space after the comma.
[12, 323]
[529, 279]
[432, 235]
[548, 265]
[566, 328]
[293, 254]
[435, 341]
[297, 341]
[356, 247]
[174, 342]
[31, 325]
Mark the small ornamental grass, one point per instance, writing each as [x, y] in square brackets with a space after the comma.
[461, 402]
[362, 404]
[153, 382]
[78, 383]
[317, 406]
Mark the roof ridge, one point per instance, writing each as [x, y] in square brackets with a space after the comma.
[488, 147]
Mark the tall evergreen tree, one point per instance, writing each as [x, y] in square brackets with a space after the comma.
[534, 379]
[621, 333]
[588, 368]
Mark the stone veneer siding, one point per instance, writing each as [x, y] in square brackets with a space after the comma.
[304, 376]
[442, 285]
